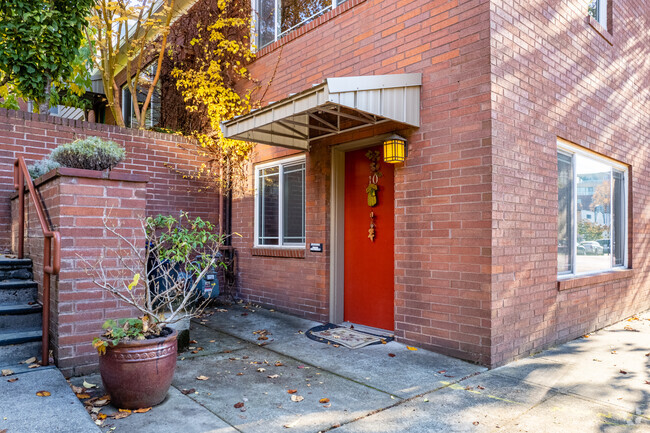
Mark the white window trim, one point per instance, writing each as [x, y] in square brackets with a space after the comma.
[602, 13]
[570, 149]
[277, 163]
[277, 34]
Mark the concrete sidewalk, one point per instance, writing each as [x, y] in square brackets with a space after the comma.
[594, 384]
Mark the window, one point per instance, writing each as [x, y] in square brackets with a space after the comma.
[280, 203]
[152, 116]
[598, 10]
[592, 212]
[275, 18]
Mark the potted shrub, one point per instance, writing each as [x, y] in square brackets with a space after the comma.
[91, 153]
[160, 280]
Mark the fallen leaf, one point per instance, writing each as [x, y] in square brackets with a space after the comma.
[34, 365]
[337, 425]
[102, 416]
[7, 372]
[193, 342]
[239, 405]
[213, 341]
[89, 385]
[83, 396]
[240, 374]
[327, 405]
[261, 370]
[442, 371]
[43, 393]
[101, 402]
[297, 398]
[647, 382]
[13, 379]
[201, 377]
[188, 391]
[411, 348]
[392, 355]
[29, 361]
[125, 410]
[468, 388]
[480, 387]
[301, 366]
[292, 391]
[77, 389]
[475, 423]
[278, 364]
[623, 371]
[273, 376]
[121, 415]
[629, 328]
[142, 410]
[324, 400]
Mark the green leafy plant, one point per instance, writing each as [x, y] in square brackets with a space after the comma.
[39, 168]
[162, 281]
[39, 41]
[90, 153]
[122, 329]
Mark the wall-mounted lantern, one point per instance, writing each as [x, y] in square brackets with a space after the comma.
[395, 149]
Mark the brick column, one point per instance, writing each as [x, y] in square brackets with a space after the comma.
[76, 202]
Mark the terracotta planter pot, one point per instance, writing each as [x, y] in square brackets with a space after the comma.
[138, 374]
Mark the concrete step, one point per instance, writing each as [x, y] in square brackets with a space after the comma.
[17, 316]
[12, 355]
[19, 336]
[15, 269]
[18, 291]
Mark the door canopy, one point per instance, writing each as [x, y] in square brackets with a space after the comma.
[332, 107]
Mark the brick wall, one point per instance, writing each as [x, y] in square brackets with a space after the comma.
[148, 153]
[442, 193]
[556, 75]
[76, 203]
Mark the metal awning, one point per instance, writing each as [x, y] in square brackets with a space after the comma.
[332, 107]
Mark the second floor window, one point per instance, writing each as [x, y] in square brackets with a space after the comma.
[598, 10]
[275, 18]
[152, 116]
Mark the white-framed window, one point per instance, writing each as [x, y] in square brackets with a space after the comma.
[152, 116]
[280, 203]
[592, 212]
[598, 10]
[272, 19]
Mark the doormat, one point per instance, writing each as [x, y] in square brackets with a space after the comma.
[331, 333]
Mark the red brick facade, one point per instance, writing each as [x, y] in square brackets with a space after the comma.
[558, 74]
[151, 154]
[442, 192]
[77, 202]
[476, 201]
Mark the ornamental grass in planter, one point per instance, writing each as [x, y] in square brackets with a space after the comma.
[160, 279]
[91, 153]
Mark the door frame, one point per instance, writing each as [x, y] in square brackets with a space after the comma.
[337, 221]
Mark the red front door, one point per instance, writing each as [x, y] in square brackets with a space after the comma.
[369, 296]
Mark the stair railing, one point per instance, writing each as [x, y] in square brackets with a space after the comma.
[51, 245]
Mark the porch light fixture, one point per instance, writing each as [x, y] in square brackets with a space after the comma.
[395, 149]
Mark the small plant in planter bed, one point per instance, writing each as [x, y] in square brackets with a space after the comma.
[91, 153]
[138, 355]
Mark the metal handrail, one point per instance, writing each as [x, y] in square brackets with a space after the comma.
[51, 245]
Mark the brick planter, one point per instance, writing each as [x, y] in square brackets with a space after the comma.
[76, 202]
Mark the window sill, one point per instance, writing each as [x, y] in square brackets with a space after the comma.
[590, 280]
[349, 4]
[602, 31]
[284, 252]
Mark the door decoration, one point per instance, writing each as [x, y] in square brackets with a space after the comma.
[372, 188]
[371, 230]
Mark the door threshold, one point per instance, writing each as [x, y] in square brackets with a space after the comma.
[368, 329]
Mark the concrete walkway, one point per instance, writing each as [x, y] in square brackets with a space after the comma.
[594, 384]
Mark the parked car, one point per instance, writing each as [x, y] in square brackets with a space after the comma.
[606, 244]
[592, 248]
[581, 250]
